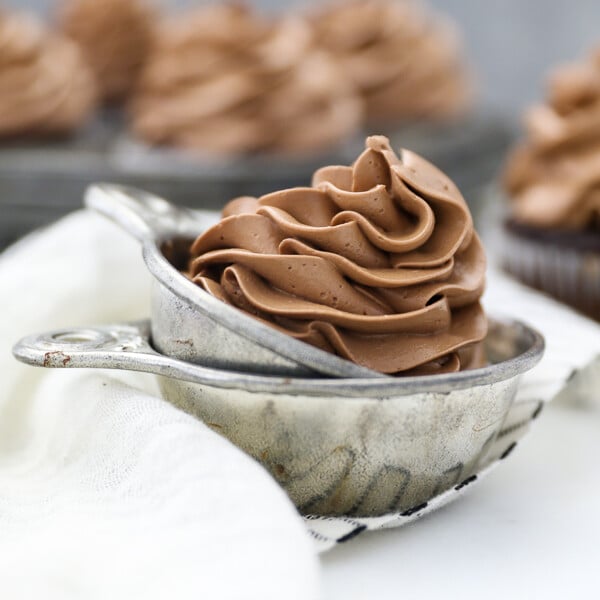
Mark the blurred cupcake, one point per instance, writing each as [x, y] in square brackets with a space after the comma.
[224, 81]
[115, 37]
[45, 85]
[553, 180]
[406, 62]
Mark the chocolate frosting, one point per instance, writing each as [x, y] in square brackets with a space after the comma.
[226, 81]
[406, 62]
[377, 262]
[45, 85]
[553, 176]
[115, 37]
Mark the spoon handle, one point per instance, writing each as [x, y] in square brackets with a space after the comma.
[143, 215]
[124, 346]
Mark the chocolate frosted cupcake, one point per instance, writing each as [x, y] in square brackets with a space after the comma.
[45, 85]
[225, 81]
[553, 181]
[377, 262]
[406, 63]
[115, 37]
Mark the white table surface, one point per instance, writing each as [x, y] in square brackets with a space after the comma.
[531, 529]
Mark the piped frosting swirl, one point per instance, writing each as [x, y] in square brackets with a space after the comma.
[377, 262]
[406, 62]
[227, 81]
[45, 85]
[553, 176]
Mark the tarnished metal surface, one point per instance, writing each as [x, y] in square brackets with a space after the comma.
[337, 446]
[362, 456]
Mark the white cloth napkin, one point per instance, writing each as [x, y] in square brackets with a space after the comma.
[106, 491]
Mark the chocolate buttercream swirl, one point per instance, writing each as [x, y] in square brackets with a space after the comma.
[45, 85]
[377, 262]
[406, 62]
[553, 176]
[227, 81]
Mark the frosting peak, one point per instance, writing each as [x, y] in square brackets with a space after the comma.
[377, 262]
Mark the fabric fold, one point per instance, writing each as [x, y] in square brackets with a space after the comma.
[106, 490]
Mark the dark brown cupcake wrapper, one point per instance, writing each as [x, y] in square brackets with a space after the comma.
[567, 272]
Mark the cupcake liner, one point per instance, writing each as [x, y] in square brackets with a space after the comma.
[565, 266]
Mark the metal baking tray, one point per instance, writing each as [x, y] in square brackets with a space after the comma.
[43, 180]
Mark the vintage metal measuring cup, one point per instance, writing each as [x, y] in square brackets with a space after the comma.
[360, 446]
[354, 443]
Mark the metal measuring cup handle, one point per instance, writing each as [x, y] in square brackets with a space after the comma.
[143, 215]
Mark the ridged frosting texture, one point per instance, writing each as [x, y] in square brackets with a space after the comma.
[553, 175]
[45, 85]
[377, 262]
[224, 80]
[406, 62]
[115, 37]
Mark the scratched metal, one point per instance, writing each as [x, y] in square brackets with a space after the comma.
[363, 446]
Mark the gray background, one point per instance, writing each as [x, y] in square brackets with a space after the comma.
[511, 43]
